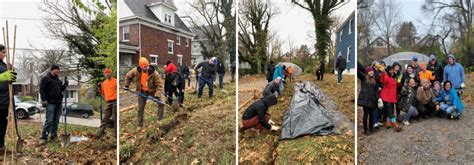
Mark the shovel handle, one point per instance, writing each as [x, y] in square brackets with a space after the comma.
[147, 97]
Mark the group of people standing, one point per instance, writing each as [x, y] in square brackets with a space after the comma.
[394, 94]
[148, 82]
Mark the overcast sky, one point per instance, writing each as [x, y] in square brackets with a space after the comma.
[27, 16]
[292, 24]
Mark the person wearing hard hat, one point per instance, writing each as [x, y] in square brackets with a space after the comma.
[147, 82]
[109, 92]
[6, 76]
[208, 70]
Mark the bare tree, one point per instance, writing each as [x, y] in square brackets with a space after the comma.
[255, 17]
[388, 18]
[216, 20]
[459, 15]
[365, 28]
[321, 11]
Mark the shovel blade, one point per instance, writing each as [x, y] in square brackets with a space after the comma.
[65, 139]
[19, 145]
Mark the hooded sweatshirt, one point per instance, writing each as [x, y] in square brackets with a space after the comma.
[453, 97]
[454, 73]
[389, 89]
[278, 72]
[260, 108]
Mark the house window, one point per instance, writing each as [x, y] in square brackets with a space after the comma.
[126, 33]
[350, 26]
[170, 46]
[70, 94]
[180, 59]
[187, 42]
[340, 35]
[348, 56]
[153, 59]
[178, 40]
[167, 18]
[379, 43]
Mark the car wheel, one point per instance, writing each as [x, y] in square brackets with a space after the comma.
[21, 114]
[85, 115]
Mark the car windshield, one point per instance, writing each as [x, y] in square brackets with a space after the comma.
[17, 100]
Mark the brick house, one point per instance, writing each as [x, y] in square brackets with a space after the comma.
[152, 29]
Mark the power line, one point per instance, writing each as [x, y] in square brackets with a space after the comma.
[28, 19]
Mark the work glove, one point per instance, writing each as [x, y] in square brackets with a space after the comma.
[275, 128]
[9, 76]
[380, 67]
[380, 103]
[44, 104]
[271, 122]
[463, 85]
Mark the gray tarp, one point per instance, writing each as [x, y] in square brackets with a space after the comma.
[308, 116]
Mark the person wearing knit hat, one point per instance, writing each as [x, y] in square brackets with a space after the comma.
[436, 68]
[454, 72]
[206, 77]
[273, 87]
[51, 93]
[368, 97]
[108, 90]
[426, 74]
[147, 82]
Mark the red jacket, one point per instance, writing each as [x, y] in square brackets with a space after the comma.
[389, 90]
[170, 68]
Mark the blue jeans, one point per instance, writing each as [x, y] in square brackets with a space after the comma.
[339, 75]
[202, 82]
[221, 81]
[448, 109]
[412, 112]
[53, 113]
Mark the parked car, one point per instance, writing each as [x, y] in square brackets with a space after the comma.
[38, 105]
[82, 110]
[24, 110]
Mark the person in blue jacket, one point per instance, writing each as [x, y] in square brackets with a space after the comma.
[454, 72]
[450, 103]
[279, 73]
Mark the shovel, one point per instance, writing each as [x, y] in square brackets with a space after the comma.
[100, 101]
[148, 97]
[66, 137]
[19, 141]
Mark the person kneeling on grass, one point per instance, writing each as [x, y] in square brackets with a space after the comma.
[407, 101]
[450, 103]
[256, 115]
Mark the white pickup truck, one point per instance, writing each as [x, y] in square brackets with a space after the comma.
[24, 110]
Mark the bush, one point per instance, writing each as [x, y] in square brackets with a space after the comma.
[27, 98]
